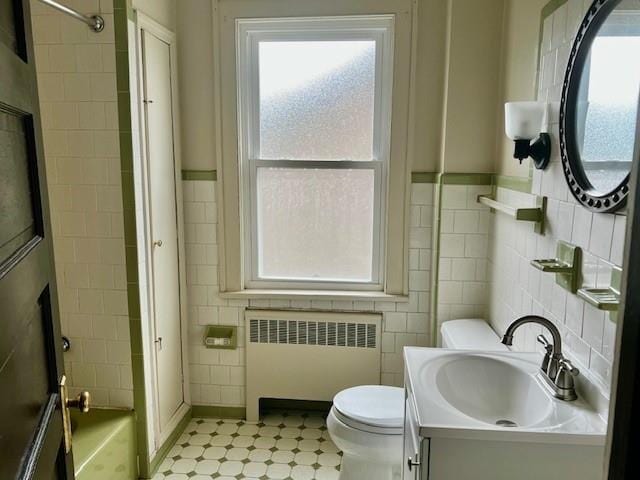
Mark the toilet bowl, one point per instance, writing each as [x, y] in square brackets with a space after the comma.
[366, 424]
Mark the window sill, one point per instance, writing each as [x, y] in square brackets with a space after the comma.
[337, 295]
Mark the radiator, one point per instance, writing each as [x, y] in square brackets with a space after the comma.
[309, 355]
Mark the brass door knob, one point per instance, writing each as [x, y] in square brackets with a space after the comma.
[82, 402]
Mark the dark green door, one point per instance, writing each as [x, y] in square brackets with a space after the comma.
[32, 442]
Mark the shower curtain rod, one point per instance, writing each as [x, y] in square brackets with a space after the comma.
[95, 22]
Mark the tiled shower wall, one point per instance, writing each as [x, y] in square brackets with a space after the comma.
[518, 288]
[78, 101]
[218, 376]
[462, 274]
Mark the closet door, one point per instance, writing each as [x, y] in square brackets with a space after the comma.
[164, 229]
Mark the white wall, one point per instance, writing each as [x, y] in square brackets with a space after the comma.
[162, 11]
[78, 101]
[474, 49]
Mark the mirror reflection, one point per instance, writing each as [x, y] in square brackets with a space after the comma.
[607, 109]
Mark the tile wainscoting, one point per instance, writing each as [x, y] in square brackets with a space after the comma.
[464, 237]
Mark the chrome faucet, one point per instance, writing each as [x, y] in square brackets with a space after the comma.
[556, 370]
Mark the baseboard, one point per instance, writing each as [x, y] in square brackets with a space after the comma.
[297, 405]
[214, 411]
[168, 443]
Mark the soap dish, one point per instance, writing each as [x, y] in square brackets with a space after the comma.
[566, 265]
[221, 336]
[552, 265]
[607, 299]
[602, 298]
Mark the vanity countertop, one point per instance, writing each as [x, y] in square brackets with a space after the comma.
[496, 396]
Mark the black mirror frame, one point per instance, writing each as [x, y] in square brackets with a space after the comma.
[577, 180]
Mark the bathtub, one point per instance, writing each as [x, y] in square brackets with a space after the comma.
[104, 445]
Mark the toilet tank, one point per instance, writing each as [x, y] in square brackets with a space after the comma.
[470, 334]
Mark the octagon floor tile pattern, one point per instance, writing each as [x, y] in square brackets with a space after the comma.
[284, 445]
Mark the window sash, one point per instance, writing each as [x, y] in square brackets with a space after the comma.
[253, 280]
[252, 107]
[371, 28]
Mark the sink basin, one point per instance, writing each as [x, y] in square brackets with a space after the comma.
[493, 391]
[494, 396]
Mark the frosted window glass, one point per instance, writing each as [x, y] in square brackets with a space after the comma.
[317, 100]
[315, 224]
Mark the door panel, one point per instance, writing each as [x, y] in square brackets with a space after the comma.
[17, 178]
[31, 433]
[164, 230]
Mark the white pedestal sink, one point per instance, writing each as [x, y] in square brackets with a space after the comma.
[484, 415]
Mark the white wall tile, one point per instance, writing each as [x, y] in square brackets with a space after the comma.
[82, 161]
[517, 288]
[217, 377]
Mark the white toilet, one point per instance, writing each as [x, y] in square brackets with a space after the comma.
[366, 422]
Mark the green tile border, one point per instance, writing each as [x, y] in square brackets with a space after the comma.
[435, 259]
[122, 13]
[424, 177]
[551, 7]
[466, 178]
[199, 175]
[168, 443]
[214, 411]
[519, 184]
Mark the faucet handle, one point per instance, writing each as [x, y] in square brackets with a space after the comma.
[546, 361]
[564, 382]
[566, 365]
[542, 340]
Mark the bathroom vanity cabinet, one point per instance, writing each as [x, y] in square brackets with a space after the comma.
[441, 458]
[566, 440]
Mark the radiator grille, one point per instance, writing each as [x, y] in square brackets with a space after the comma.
[303, 332]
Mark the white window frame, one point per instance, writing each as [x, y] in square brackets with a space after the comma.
[249, 33]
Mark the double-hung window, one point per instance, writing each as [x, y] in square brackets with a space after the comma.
[314, 118]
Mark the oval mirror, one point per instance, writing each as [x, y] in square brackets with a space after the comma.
[599, 108]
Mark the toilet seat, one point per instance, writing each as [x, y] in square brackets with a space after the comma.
[371, 408]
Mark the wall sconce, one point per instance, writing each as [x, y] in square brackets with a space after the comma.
[525, 122]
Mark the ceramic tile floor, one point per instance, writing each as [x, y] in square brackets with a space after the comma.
[284, 445]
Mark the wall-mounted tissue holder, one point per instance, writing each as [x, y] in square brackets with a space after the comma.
[566, 265]
[221, 336]
[607, 299]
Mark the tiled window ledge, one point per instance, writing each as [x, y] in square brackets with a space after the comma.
[314, 295]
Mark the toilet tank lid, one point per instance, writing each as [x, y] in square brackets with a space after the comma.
[470, 334]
